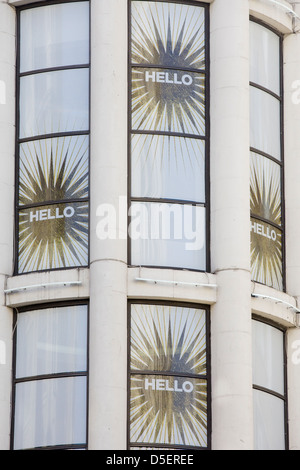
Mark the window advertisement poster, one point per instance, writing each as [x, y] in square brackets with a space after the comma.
[168, 380]
[266, 221]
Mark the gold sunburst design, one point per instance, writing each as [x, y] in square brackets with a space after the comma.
[53, 235]
[170, 97]
[53, 169]
[168, 34]
[167, 408]
[266, 239]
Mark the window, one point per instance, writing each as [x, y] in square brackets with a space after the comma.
[52, 200]
[169, 385]
[50, 378]
[269, 387]
[266, 157]
[169, 135]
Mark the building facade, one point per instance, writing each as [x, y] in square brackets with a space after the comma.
[150, 261]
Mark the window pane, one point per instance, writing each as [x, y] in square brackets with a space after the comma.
[54, 102]
[168, 167]
[268, 422]
[168, 410]
[168, 338]
[50, 412]
[268, 361]
[266, 254]
[53, 236]
[168, 34]
[168, 100]
[168, 235]
[264, 57]
[265, 132]
[265, 186]
[52, 340]
[53, 169]
[54, 35]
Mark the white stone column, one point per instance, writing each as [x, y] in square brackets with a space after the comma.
[231, 348]
[108, 264]
[7, 152]
[292, 220]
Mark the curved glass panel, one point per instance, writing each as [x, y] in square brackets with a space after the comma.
[168, 410]
[54, 36]
[53, 236]
[168, 100]
[266, 254]
[168, 109]
[54, 169]
[265, 188]
[268, 359]
[168, 34]
[269, 422]
[168, 391]
[168, 235]
[54, 102]
[52, 340]
[168, 167]
[264, 57]
[168, 339]
[50, 412]
[265, 129]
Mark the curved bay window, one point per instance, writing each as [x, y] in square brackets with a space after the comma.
[266, 157]
[269, 387]
[169, 135]
[53, 137]
[50, 378]
[169, 385]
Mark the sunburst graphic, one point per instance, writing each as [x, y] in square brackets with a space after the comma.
[168, 34]
[53, 169]
[168, 99]
[266, 239]
[53, 235]
[167, 408]
[53, 102]
[265, 188]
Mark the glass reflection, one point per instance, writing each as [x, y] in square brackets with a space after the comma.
[168, 235]
[54, 36]
[50, 412]
[168, 167]
[268, 357]
[269, 420]
[54, 339]
[264, 57]
[265, 132]
[54, 102]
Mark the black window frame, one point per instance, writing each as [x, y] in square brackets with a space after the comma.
[280, 163]
[206, 377]
[268, 391]
[15, 381]
[205, 138]
[18, 141]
